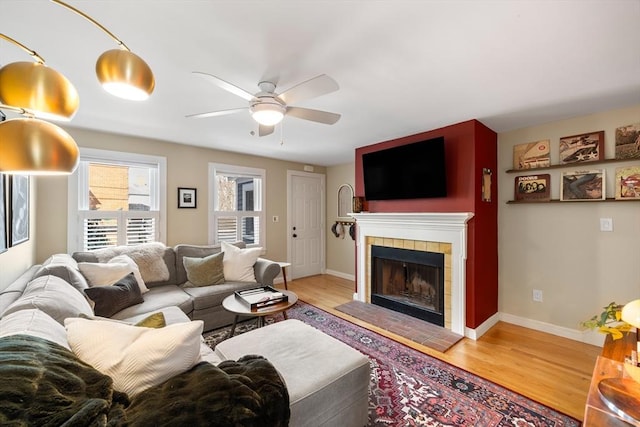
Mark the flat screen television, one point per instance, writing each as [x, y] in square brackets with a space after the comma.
[412, 171]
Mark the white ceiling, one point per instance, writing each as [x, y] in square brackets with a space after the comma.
[403, 67]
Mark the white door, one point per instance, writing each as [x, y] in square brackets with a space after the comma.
[305, 223]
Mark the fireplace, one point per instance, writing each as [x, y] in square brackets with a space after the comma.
[443, 233]
[409, 281]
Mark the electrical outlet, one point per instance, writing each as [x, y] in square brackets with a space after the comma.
[537, 295]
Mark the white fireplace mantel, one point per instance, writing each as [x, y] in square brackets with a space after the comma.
[432, 227]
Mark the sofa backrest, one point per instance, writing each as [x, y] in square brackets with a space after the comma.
[151, 279]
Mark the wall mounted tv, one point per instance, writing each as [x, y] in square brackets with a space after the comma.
[412, 171]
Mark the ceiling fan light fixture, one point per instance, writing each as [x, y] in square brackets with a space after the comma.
[267, 113]
[38, 89]
[34, 147]
[124, 74]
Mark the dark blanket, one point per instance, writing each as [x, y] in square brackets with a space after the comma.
[44, 384]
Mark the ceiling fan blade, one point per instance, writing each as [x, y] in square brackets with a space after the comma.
[324, 117]
[311, 88]
[265, 130]
[226, 85]
[216, 113]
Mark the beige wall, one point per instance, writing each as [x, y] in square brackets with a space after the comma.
[341, 258]
[557, 247]
[187, 166]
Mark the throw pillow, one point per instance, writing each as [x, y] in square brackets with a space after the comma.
[205, 271]
[134, 268]
[135, 358]
[103, 273]
[155, 320]
[111, 299]
[238, 263]
[53, 296]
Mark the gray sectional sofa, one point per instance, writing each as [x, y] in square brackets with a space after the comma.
[327, 381]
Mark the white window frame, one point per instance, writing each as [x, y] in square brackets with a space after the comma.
[78, 183]
[214, 169]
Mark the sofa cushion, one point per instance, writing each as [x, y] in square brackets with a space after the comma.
[238, 263]
[211, 296]
[111, 299]
[135, 358]
[65, 267]
[158, 298]
[52, 295]
[194, 251]
[36, 323]
[204, 271]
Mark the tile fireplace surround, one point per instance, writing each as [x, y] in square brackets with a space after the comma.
[434, 232]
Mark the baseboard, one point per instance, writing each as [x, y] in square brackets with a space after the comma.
[587, 337]
[476, 333]
[341, 275]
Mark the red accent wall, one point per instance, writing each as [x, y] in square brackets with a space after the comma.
[469, 147]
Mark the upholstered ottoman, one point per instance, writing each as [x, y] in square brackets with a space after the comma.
[328, 381]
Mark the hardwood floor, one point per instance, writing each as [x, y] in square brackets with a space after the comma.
[552, 370]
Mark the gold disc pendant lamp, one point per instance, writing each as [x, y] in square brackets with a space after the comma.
[31, 146]
[120, 71]
[36, 88]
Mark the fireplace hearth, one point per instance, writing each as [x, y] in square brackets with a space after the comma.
[409, 281]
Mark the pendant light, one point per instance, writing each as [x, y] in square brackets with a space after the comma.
[31, 146]
[36, 88]
[120, 71]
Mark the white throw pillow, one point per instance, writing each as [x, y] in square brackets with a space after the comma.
[108, 273]
[238, 263]
[134, 268]
[135, 358]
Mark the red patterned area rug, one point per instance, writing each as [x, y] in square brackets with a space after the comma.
[409, 388]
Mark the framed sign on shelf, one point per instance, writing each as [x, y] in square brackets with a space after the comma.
[531, 155]
[533, 187]
[587, 147]
[583, 185]
[628, 183]
[187, 197]
[628, 142]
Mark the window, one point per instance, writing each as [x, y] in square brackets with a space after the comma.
[116, 199]
[236, 208]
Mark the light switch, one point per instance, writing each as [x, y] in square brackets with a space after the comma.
[606, 224]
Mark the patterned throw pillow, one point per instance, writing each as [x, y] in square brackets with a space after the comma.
[205, 271]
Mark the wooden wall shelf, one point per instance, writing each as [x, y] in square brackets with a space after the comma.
[608, 199]
[581, 165]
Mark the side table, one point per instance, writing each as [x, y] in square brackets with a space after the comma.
[232, 305]
[283, 266]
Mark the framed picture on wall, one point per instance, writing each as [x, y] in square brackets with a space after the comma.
[3, 215]
[583, 185]
[19, 209]
[187, 197]
[533, 187]
[587, 147]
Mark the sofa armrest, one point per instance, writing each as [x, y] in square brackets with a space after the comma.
[265, 271]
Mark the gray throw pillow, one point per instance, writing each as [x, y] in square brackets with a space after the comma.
[111, 299]
[204, 271]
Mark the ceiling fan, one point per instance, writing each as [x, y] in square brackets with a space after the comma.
[268, 108]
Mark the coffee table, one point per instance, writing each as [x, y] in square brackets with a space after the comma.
[232, 305]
